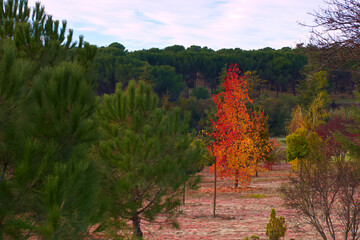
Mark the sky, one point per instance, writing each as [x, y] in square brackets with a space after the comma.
[216, 24]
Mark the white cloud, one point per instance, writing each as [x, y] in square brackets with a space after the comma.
[138, 24]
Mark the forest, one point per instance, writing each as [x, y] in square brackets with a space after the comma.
[103, 143]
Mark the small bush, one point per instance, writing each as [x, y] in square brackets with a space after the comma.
[255, 195]
[253, 237]
[276, 228]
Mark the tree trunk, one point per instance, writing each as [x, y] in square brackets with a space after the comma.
[3, 172]
[136, 224]
[293, 87]
[236, 179]
[184, 193]
[215, 190]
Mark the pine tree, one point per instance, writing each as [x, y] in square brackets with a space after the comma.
[48, 185]
[61, 132]
[40, 38]
[13, 78]
[146, 154]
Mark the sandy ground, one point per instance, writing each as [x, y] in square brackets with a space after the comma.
[240, 213]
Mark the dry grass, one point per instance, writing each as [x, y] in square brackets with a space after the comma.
[240, 212]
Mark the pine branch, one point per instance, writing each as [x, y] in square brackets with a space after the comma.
[3, 172]
[157, 194]
[38, 219]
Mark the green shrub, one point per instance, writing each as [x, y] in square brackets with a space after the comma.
[253, 237]
[297, 145]
[201, 93]
[276, 228]
[255, 195]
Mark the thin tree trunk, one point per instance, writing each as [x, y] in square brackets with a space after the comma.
[336, 86]
[136, 224]
[236, 179]
[3, 172]
[184, 193]
[293, 87]
[215, 190]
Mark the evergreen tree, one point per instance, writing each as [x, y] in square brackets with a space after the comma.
[13, 78]
[40, 38]
[146, 154]
[48, 186]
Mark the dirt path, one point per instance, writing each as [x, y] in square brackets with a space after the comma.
[240, 213]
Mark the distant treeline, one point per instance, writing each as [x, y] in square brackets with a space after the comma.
[186, 76]
[174, 68]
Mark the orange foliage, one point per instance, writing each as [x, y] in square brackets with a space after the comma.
[263, 145]
[238, 146]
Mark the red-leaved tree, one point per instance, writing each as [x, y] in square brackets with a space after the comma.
[337, 124]
[238, 145]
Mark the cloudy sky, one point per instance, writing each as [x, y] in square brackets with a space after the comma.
[143, 24]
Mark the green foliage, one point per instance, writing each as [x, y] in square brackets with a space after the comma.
[68, 117]
[297, 145]
[113, 64]
[48, 186]
[14, 75]
[254, 84]
[276, 228]
[175, 48]
[311, 117]
[314, 85]
[255, 195]
[280, 68]
[317, 148]
[206, 159]
[51, 175]
[317, 111]
[349, 144]
[118, 46]
[222, 75]
[165, 79]
[201, 93]
[278, 109]
[146, 155]
[37, 36]
[253, 237]
[199, 110]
